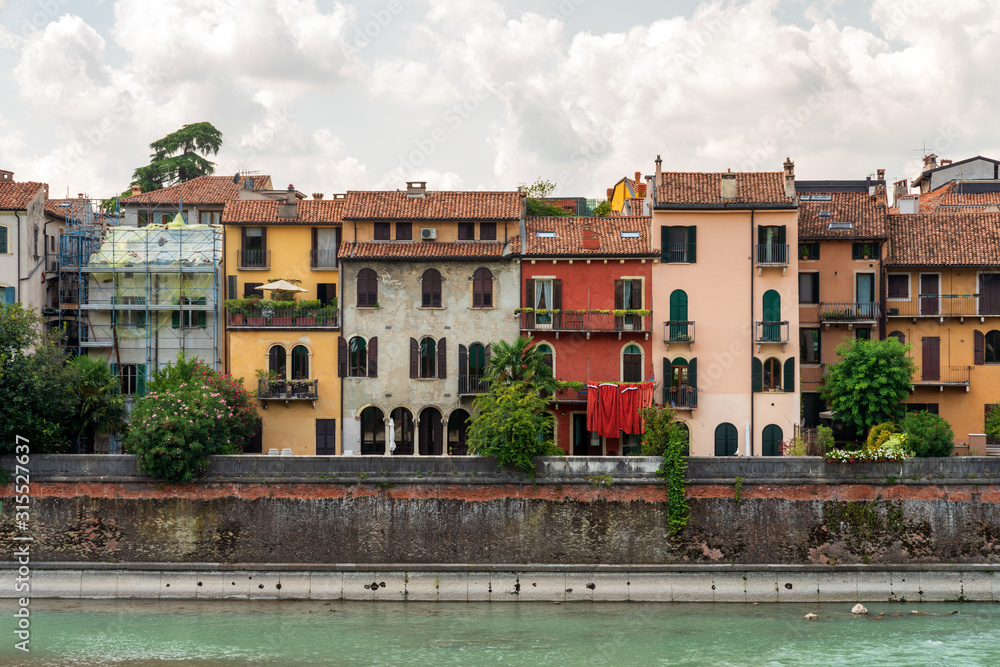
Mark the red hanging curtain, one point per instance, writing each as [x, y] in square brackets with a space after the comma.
[593, 417]
[610, 413]
[629, 404]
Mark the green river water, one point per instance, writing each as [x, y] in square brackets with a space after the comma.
[115, 633]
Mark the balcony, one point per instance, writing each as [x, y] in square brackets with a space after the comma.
[677, 253]
[851, 312]
[253, 260]
[946, 376]
[323, 259]
[678, 332]
[945, 305]
[471, 385]
[682, 398]
[265, 318]
[766, 333]
[771, 254]
[587, 321]
[287, 391]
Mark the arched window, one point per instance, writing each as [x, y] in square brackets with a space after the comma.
[367, 288]
[772, 374]
[431, 434]
[772, 440]
[402, 429]
[992, 347]
[300, 362]
[276, 361]
[726, 439]
[357, 350]
[430, 289]
[477, 360]
[457, 433]
[632, 364]
[482, 288]
[550, 358]
[898, 335]
[372, 431]
[428, 358]
[772, 316]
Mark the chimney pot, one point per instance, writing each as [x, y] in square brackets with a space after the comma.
[641, 190]
[79, 195]
[789, 170]
[136, 189]
[416, 188]
[290, 195]
[611, 193]
[728, 186]
[638, 176]
[945, 163]
[317, 195]
[6, 176]
[880, 174]
[930, 162]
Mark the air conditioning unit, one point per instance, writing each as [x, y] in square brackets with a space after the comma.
[428, 233]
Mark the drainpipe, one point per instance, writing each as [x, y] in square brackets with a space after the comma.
[18, 290]
[752, 397]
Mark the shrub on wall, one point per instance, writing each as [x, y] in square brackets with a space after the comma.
[928, 434]
[190, 413]
[512, 426]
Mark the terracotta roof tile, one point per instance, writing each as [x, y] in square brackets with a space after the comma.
[705, 189]
[419, 250]
[955, 239]
[201, 190]
[17, 196]
[434, 205]
[866, 215]
[265, 211]
[569, 234]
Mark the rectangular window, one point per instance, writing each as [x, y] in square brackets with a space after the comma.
[466, 231]
[326, 244]
[131, 317]
[487, 231]
[809, 287]
[899, 286]
[3, 240]
[381, 231]
[327, 293]
[250, 289]
[404, 231]
[809, 251]
[864, 250]
[678, 244]
[809, 346]
[920, 407]
[167, 218]
[210, 217]
[863, 333]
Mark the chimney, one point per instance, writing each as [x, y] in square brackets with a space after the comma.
[590, 240]
[640, 191]
[945, 163]
[789, 169]
[728, 186]
[899, 190]
[880, 195]
[46, 191]
[79, 195]
[136, 189]
[289, 209]
[611, 193]
[880, 174]
[908, 204]
[317, 195]
[416, 188]
[930, 162]
[656, 178]
[638, 176]
[6, 176]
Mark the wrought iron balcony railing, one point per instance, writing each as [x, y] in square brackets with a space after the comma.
[682, 398]
[470, 385]
[587, 322]
[253, 259]
[771, 332]
[678, 332]
[945, 305]
[319, 318]
[771, 254]
[945, 376]
[288, 390]
[849, 311]
[323, 259]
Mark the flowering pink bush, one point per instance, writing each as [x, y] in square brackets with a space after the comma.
[190, 413]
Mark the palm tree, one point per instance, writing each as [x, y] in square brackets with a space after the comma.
[520, 361]
[100, 407]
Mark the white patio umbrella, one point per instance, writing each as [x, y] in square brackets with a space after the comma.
[282, 286]
[392, 435]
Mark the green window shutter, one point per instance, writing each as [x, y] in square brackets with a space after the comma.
[781, 235]
[693, 373]
[789, 375]
[664, 243]
[3, 240]
[666, 381]
[756, 375]
[720, 440]
[231, 288]
[8, 296]
[692, 238]
[175, 319]
[772, 306]
[202, 319]
[140, 379]
[678, 306]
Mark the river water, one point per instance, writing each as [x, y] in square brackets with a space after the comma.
[113, 633]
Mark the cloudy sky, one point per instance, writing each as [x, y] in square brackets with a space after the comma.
[478, 94]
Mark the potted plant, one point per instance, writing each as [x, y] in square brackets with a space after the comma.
[305, 314]
[266, 383]
[235, 308]
[283, 310]
[253, 305]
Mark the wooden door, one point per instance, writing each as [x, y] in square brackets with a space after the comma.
[930, 296]
[930, 365]
[989, 294]
[326, 437]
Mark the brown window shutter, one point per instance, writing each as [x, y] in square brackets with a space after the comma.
[978, 348]
[373, 357]
[341, 357]
[263, 240]
[557, 294]
[619, 294]
[442, 359]
[243, 239]
[313, 238]
[529, 302]
[463, 362]
[414, 358]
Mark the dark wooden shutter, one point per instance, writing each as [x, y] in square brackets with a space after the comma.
[341, 357]
[529, 298]
[693, 373]
[692, 239]
[463, 367]
[263, 246]
[314, 248]
[789, 375]
[978, 348]
[243, 241]
[231, 287]
[175, 319]
[477, 289]
[781, 235]
[362, 299]
[815, 288]
[666, 381]
[664, 243]
[756, 375]
[442, 359]
[557, 303]
[931, 358]
[414, 358]
[373, 357]
[620, 295]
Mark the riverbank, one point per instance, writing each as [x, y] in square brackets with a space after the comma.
[510, 583]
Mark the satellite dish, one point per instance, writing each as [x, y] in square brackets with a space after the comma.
[236, 178]
[248, 184]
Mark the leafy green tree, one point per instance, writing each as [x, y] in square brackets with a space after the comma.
[37, 400]
[521, 361]
[928, 434]
[100, 408]
[512, 425]
[178, 157]
[870, 382]
[538, 191]
[603, 209]
[992, 425]
[191, 412]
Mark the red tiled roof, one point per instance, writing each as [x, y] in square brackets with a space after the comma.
[568, 240]
[416, 250]
[945, 199]
[439, 205]
[863, 211]
[265, 211]
[201, 190]
[691, 189]
[954, 239]
[17, 196]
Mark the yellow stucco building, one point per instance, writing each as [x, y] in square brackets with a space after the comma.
[286, 350]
